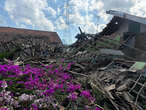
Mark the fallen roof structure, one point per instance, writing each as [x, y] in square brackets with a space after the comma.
[123, 22]
[127, 16]
[112, 26]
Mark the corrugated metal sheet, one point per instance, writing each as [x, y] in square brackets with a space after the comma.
[124, 15]
[111, 52]
[134, 27]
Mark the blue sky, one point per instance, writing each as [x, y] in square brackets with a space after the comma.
[65, 16]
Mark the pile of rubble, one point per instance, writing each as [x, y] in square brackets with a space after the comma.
[28, 48]
[118, 80]
[111, 67]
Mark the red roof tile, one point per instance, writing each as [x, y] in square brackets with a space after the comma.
[7, 34]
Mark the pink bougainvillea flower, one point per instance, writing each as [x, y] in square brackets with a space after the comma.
[86, 94]
[4, 84]
[69, 66]
[49, 91]
[66, 76]
[47, 81]
[96, 108]
[73, 96]
[87, 108]
[72, 87]
[3, 108]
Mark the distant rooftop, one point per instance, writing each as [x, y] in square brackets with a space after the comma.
[7, 33]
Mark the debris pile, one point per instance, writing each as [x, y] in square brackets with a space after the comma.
[116, 80]
[29, 48]
[103, 67]
[110, 64]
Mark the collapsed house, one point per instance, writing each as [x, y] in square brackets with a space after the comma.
[112, 58]
[131, 30]
[123, 22]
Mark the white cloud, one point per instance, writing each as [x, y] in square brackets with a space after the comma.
[2, 20]
[118, 4]
[76, 19]
[139, 8]
[30, 12]
[96, 5]
[58, 10]
[100, 27]
[90, 26]
[80, 4]
[102, 14]
[22, 26]
[52, 11]
[61, 24]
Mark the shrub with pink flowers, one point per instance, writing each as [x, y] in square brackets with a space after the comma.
[48, 87]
